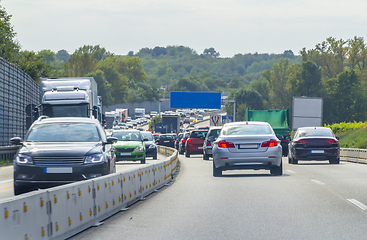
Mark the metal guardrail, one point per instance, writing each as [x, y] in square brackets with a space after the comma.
[356, 155]
[8, 152]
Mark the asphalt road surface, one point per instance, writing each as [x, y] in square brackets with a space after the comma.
[311, 200]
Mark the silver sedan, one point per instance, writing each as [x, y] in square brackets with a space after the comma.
[247, 145]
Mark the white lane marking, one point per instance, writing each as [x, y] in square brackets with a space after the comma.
[6, 181]
[358, 204]
[290, 171]
[318, 182]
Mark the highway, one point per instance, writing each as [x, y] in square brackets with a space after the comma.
[311, 200]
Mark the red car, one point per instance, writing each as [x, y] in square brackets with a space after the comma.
[195, 141]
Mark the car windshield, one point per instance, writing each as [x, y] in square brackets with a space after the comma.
[247, 129]
[64, 132]
[315, 132]
[198, 134]
[168, 137]
[127, 136]
[147, 135]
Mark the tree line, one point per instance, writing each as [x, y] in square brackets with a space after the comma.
[334, 69]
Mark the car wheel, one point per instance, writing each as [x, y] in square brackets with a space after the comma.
[180, 152]
[277, 171]
[142, 161]
[155, 156]
[187, 154]
[217, 172]
[294, 161]
[289, 159]
[335, 161]
[205, 156]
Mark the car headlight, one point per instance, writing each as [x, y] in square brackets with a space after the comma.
[24, 159]
[140, 148]
[95, 158]
[152, 146]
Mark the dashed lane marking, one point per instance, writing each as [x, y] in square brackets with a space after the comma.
[317, 182]
[358, 204]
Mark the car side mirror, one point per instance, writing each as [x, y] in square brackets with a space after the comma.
[337, 138]
[111, 140]
[145, 139]
[16, 141]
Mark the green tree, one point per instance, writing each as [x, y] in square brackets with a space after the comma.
[33, 65]
[97, 52]
[9, 48]
[345, 101]
[48, 56]
[305, 80]
[104, 87]
[278, 82]
[211, 52]
[80, 65]
[62, 55]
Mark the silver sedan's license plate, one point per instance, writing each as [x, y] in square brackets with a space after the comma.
[125, 154]
[58, 170]
[247, 146]
[317, 151]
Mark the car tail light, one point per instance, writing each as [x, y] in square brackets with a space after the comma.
[271, 143]
[208, 143]
[189, 140]
[332, 141]
[302, 141]
[225, 144]
[284, 140]
[183, 141]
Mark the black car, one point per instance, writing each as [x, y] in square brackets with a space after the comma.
[284, 141]
[182, 143]
[314, 143]
[57, 151]
[150, 147]
[167, 140]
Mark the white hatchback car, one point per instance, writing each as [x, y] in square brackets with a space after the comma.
[247, 145]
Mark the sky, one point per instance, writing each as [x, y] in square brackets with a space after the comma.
[231, 27]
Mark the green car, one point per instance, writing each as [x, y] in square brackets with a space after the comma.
[130, 145]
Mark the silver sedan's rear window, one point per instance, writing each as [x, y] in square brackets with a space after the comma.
[247, 129]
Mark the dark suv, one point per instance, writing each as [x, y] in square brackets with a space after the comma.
[208, 142]
[63, 150]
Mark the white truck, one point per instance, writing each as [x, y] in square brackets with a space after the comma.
[69, 97]
[139, 112]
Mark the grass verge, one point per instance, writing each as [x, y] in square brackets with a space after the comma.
[353, 138]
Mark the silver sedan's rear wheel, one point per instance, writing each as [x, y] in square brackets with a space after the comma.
[277, 171]
[217, 172]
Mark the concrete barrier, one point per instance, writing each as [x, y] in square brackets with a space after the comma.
[353, 155]
[61, 212]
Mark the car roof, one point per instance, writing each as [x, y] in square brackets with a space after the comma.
[246, 122]
[305, 128]
[126, 130]
[45, 119]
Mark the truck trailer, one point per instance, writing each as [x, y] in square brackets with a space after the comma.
[69, 97]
